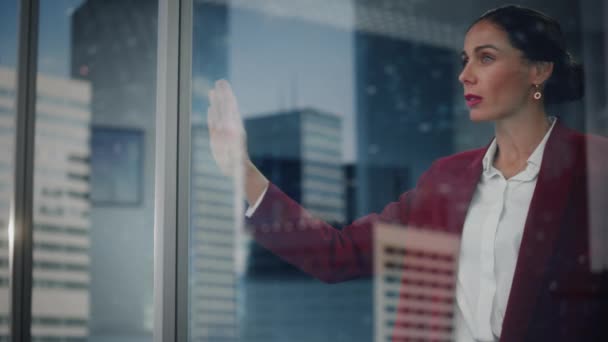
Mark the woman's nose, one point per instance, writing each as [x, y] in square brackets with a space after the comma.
[466, 75]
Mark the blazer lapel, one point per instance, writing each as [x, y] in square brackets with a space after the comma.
[540, 231]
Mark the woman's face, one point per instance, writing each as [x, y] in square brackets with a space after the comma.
[497, 79]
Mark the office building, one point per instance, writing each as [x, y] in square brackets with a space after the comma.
[216, 246]
[61, 258]
[301, 151]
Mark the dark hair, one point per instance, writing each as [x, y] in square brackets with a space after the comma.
[540, 38]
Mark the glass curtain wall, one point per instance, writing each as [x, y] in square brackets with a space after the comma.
[94, 181]
[345, 104]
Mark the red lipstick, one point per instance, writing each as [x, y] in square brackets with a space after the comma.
[472, 99]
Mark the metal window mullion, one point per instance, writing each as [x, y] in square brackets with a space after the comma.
[21, 222]
[165, 187]
[183, 169]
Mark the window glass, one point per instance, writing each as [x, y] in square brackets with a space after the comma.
[94, 180]
[346, 105]
[8, 99]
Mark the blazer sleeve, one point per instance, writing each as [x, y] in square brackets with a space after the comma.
[329, 254]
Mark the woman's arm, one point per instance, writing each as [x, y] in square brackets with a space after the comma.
[330, 255]
[279, 223]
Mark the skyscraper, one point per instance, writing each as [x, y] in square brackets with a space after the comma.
[61, 263]
[214, 247]
[300, 150]
[114, 48]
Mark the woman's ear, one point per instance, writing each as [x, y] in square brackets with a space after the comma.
[541, 71]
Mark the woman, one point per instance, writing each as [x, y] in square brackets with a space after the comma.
[520, 205]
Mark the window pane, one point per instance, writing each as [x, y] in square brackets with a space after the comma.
[8, 99]
[94, 162]
[346, 105]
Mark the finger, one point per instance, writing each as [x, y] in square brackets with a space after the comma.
[221, 108]
[211, 117]
[212, 114]
[230, 102]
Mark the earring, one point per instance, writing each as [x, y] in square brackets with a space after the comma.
[537, 93]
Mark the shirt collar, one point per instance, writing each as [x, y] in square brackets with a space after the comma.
[534, 160]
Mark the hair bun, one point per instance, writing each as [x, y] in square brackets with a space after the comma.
[567, 82]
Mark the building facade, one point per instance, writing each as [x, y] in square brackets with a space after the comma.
[61, 254]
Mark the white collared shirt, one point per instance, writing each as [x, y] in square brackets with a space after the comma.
[490, 242]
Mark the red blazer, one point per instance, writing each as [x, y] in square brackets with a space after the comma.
[554, 295]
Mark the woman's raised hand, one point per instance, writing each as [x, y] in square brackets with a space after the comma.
[226, 131]
[229, 142]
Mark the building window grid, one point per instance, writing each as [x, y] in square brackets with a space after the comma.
[63, 229]
[324, 195]
[55, 247]
[65, 285]
[330, 160]
[322, 173]
[54, 321]
[72, 122]
[43, 99]
[326, 136]
[48, 134]
[320, 202]
[331, 150]
[316, 121]
[328, 186]
[214, 225]
[61, 266]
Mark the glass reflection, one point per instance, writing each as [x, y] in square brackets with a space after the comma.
[93, 205]
[61, 269]
[344, 111]
[8, 59]
[255, 302]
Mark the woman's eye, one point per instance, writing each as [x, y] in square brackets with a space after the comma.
[486, 59]
[464, 62]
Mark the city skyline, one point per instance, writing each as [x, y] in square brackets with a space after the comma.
[295, 82]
